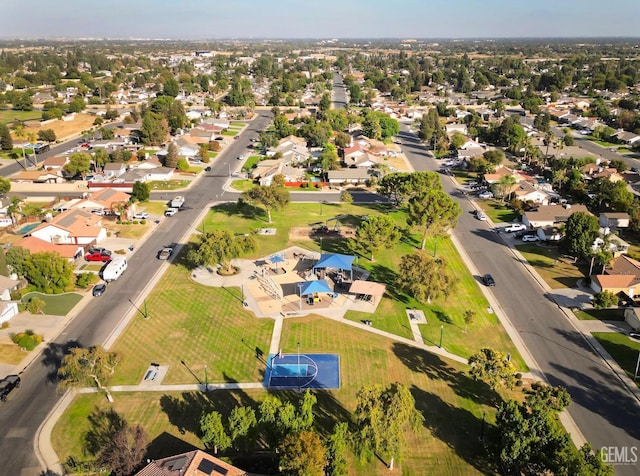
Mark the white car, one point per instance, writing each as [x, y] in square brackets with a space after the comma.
[481, 216]
[170, 212]
[485, 195]
[141, 216]
[515, 227]
[530, 238]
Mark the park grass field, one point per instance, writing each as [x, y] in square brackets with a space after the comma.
[451, 402]
[197, 325]
[10, 115]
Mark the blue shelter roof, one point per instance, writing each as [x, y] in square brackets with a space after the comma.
[334, 261]
[317, 286]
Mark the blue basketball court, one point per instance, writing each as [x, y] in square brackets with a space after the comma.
[293, 371]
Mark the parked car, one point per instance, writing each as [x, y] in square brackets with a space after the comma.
[513, 227]
[99, 289]
[481, 216]
[530, 238]
[141, 216]
[240, 157]
[98, 256]
[7, 385]
[207, 169]
[99, 249]
[488, 280]
[170, 212]
[165, 253]
[485, 195]
[634, 335]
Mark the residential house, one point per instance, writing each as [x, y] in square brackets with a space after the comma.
[503, 171]
[193, 463]
[269, 168]
[453, 128]
[8, 308]
[610, 174]
[471, 149]
[39, 176]
[551, 215]
[590, 170]
[75, 226]
[632, 317]
[55, 163]
[527, 192]
[352, 176]
[114, 169]
[37, 245]
[614, 221]
[608, 241]
[628, 138]
[622, 275]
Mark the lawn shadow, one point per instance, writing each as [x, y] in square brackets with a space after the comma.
[442, 316]
[421, 361]
[52, 358]
[382, 274]
[457, 427]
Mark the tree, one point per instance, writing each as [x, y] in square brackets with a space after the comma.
[343, 139]
[494, 156]
[183, 164]
[568, 140]
[469, 318]
[424, 277]
[504, 185]
[241, 421]
[375, 233]
[154, 128]
[337, 447]
[605, 299]
[203, 153]
[271, 198]
[47, 272]
[457, 140]
[219, 247]
[171, 87]
[78, 164]
[47, 135]
[325, 102]
[213, 433]
[302, 454]
[382, 415]
[83, 366]
[124, 451]
[493, 368]
[329, 158]
[5, 186]
[171, 159]
[77, 105]
[371, 127]
[6, 142]
[434, 211]
[581, 230]
[346, 197]
[141, 191]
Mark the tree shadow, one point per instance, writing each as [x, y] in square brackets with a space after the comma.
[52, 358]
[458, 428]
[382, 274]
[166, 444]
[434, 368]
[104, 423]
[442, 316]
[249, 211]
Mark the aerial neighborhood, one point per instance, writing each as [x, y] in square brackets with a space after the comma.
[320, 257]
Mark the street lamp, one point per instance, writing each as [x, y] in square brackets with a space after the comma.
[206, 380]
[441, 329]
[298, 372]
[482, 428]
[229, 165]
[321, 202]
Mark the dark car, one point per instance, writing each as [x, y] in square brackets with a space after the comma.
[7, 384]
[634, 335]
[99, 289]
[97, 249]
[207, 169]
[488, 280]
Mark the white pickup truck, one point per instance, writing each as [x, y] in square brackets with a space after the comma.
[513, 227]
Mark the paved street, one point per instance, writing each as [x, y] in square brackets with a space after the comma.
[606, 413]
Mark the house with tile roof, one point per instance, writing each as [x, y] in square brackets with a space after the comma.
[55, 163]
[37, 245]
[39, 176]
[75, 226]
[193, 463]
[622, 275]
[551, 215]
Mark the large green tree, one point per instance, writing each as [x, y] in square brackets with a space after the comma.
[434, 211]
[270, 197]
[78, 164]
[141, 191]
[219, 247]
[375, 233]
[171, 87]
[6, 142]
[5, 186]
[382, 416]
[493, 368]
[337, 450]
[581, 230]
[303, 454]
[154, 129]
[424, 277]
[86, 366]
[214, 435]
[47, 272]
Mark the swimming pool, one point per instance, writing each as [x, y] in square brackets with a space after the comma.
[27, 228]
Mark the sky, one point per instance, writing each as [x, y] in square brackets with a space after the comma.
[215, 19]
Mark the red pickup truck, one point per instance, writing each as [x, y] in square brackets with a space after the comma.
[97, 256]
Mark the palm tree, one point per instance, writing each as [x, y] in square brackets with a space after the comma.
[32, 137]
[505, 184]
[548, 139]
[21, 134]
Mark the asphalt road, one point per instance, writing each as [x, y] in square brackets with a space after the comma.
[339, 96]
[606, 413]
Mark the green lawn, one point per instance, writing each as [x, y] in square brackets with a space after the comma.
[251, 162]
[229, 132]
[499, 212]
[451, 403]
[55, 304]
[557, 272]
[169, 184]
[622, 348]
[9, 115]
[238, 125]
[600, 314]
[463, 176]
[242, 185]
[211, 326]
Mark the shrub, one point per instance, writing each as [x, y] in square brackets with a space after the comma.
[27, 339]
[5, 325]
[36, 305]
[143, 222]
[83, 280]
[135, 222]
